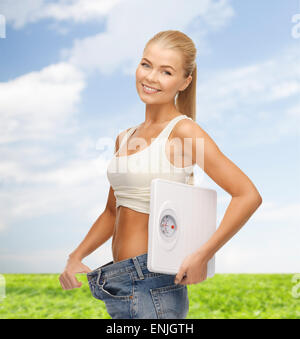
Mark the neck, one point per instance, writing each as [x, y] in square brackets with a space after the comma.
[158, 114]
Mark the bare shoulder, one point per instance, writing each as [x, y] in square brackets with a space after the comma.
[187, 128]
[217, 165]
[198, 147]
[119, 138]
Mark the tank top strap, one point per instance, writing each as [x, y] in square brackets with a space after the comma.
[127, 135]
[166, 132]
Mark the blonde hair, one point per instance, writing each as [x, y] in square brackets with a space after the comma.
[185, 101]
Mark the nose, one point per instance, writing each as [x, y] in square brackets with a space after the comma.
[151, 79]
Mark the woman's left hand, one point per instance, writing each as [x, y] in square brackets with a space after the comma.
[192, 270]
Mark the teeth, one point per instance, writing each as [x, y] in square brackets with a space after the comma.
[150, 89]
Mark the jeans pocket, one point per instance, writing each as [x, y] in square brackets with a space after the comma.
[118, 287]
[171, 302]
[95, 290]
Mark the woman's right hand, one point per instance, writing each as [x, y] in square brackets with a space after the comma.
[68, 279]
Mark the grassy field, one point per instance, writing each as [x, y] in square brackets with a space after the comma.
[251, 296]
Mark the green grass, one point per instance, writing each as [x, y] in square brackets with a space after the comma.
[252, 296]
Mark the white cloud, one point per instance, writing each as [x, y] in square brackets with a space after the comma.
[77, 171]
[259, 103]
[215, 13]
[274, 212]
[65, 174]
[294, 111]
[271, 257]
[269, 81]
[79, 10]
[67, 189]
[22, 12]
[2, 225]
[130, 25]
[34, 105]
[267, 243]
[51, 260]
[39, 181]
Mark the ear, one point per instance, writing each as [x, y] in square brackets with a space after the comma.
[186, 83]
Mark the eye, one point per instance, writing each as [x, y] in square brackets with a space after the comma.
[143, 63]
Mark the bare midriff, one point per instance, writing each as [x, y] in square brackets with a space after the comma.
[130, 237]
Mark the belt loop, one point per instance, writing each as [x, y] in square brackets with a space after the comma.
[138, 268]
[98, 278]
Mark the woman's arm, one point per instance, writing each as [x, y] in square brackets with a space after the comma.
[103, 227]
[236, 215]
[245, 197]
[100, 232]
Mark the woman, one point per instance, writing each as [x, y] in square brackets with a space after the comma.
[166, 83]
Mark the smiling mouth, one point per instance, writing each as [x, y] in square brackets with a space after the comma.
[150, 89]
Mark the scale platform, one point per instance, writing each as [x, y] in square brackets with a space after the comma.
[182, 218]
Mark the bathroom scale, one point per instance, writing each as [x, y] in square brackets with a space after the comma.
[182, 218]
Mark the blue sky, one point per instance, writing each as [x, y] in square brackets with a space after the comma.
[67, 86]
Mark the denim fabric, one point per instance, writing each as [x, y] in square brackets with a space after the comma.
[130, 291]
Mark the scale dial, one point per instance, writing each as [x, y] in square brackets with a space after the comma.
[168, 226]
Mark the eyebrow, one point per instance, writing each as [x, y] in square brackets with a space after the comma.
[161, 65]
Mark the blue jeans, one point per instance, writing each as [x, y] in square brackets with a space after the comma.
[130, 291]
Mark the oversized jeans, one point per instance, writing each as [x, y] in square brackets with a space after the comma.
[130, 291]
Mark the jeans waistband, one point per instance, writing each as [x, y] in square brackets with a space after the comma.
[128, 265]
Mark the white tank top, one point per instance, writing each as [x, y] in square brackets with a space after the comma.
[130, 176]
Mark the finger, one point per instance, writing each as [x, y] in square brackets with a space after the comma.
[74, 282]
[184, 280]
[85, 269]
[179, 276]
[68, 281]
[63, 282]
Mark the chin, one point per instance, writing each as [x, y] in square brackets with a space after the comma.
[145, 101]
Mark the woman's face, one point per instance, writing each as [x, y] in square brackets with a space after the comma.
[153, 71]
